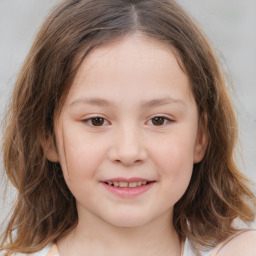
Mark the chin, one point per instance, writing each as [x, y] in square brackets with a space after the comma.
[128, 220]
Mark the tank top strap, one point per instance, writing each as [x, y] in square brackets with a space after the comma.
[182, 246]
[53, 251]
[221, 245]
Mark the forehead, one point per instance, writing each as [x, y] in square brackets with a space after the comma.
[131, 62]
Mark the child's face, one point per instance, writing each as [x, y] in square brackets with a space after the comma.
[130, 114]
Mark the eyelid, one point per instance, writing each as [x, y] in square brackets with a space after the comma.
[90, 118]
[166, 117]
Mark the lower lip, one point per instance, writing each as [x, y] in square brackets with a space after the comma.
[128, 192]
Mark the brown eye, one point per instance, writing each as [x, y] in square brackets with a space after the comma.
[97, 121]
[159, 120]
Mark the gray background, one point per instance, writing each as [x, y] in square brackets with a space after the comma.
[229, 24]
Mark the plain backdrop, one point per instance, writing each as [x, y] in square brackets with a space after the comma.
[229, 24]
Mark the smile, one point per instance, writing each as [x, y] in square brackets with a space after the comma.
[122, 184]
[127, 188]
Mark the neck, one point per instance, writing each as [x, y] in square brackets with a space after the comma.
[93, 236]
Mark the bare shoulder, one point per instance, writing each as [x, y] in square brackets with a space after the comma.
[241, 245]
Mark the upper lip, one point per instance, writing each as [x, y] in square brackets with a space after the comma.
[122, 179]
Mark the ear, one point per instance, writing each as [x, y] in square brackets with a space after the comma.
[50, 149]
[201, 140]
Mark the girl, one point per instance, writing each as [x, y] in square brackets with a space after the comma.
[120, 138]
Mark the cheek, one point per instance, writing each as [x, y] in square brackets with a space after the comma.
[174, 159]
[175, 153]
[81, 160]
[81, 156]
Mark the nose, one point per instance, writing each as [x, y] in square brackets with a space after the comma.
[128, 147]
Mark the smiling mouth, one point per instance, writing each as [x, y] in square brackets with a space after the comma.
[128, 188]
[122, 184]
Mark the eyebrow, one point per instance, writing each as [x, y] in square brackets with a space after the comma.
[162, 101]
[91, 101]
[147, 104]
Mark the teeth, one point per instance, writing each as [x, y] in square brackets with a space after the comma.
[122, 184]
[133, 184]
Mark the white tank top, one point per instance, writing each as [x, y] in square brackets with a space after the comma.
[188, 251]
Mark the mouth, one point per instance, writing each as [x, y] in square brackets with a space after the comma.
[128, 188]
[123, 184]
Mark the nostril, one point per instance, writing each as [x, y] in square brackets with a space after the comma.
[127, 162]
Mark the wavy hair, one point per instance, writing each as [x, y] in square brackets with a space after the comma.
[45, 209]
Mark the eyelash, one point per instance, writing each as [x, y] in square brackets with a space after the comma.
[91, 119]
[163, 118]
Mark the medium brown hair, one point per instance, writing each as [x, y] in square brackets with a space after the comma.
[45, 209]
